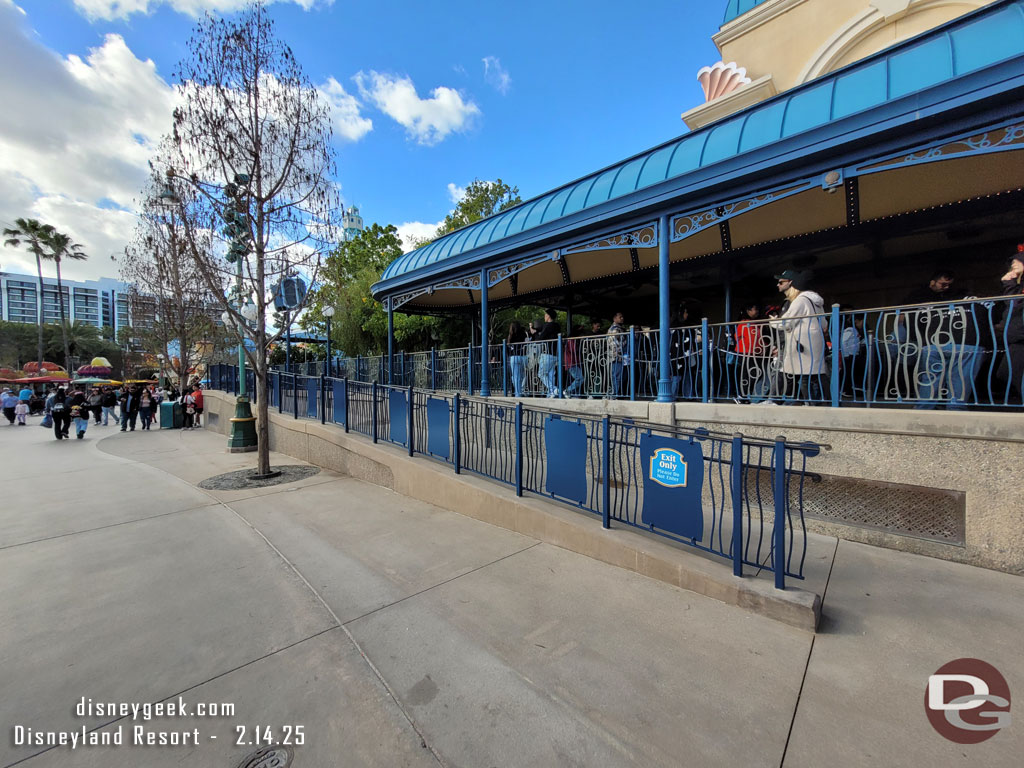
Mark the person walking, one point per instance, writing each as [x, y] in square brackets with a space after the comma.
[197, 395]
[618, 357]
[517, 356]
[188, 408]
[61, 413]
[96, 403]
[8, 401]
[129, 405]
[803, 355]
[108, 403]
[547, 367]
[146, 407]
[21, 412]
[78, 404]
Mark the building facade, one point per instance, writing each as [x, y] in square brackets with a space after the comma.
[101, 303]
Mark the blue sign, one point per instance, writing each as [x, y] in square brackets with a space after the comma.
[565, 443]
[398, 416]
[668, 468]
[439, 422]
[340, 411]
[673, 480]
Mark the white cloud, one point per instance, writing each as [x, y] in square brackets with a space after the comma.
[428, 121]
[108, 10]
[456, 192]
[348, 123]
[496, 75]
[413, 231]
[75, 137]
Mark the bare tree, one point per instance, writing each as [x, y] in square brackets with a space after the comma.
[252, 136]
[171, 302]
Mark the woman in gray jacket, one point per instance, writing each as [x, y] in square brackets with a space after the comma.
[804, 354]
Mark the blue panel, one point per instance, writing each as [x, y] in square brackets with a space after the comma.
[340, 413]
[673, 472]
[736, 8]
[276, 383]
[763, 126]
[536, 212]
[601, 188]
[398, 415]
[499, 226]
[565, 443]
[990, 39]
[808, 109]
[656, 167]
[460, 240]
[687, 155]
[919, 67]
[556, 205]
[486, 231]
[626, 180]
[446, 245]
[516, 225]
[859, 89]
[578, 198]
[438, 426]
[312, 390]
[723, 141]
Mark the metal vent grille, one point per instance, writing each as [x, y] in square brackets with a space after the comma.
[907, 510]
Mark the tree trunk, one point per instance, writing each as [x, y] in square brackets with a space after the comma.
[262, 422]
[39, 267]
[63, 320]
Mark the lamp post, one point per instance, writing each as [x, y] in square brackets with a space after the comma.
[328, 314]
[236, 216]
[243, 426]
[160, 360]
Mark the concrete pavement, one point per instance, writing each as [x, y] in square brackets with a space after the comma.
[397, 633]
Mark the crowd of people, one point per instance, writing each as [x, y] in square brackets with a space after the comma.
[128, 406]
[929, 352]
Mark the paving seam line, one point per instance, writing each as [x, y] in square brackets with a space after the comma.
[186, 690]
[442, 583]
[104, 527]
[356, 645]
[807, 664]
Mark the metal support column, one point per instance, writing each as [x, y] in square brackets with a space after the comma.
[391, 341]
[485, 355]
[664, 315]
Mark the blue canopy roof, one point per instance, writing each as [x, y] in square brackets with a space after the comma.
[738, 8]
[972, 43]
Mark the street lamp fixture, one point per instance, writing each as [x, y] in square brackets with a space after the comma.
[328, 313]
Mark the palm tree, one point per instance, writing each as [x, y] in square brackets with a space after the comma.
[61, 246]
[32, 234]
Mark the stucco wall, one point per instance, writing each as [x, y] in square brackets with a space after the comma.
[797, 40]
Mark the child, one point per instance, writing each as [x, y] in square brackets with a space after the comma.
[20, 412]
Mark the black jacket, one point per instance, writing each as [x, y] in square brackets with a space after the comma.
[129, 402]
[1014, 320]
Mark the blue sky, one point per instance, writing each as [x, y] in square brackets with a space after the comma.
[536, 93]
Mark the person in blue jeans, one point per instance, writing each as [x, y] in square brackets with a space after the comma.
[947, 333]
[517, 357]
[547, 368]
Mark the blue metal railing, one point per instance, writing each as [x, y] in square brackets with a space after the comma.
[955, 354]
[749, 496]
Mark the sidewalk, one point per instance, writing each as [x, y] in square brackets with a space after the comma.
[399, 634]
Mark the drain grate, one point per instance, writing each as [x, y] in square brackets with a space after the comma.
[935, 514]
[268, 757]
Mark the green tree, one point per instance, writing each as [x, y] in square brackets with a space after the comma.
[32, 234]
[59, 247]
[482, 198]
